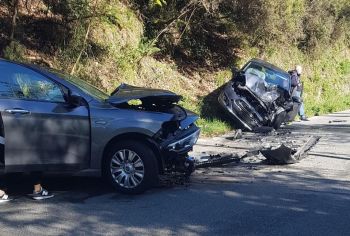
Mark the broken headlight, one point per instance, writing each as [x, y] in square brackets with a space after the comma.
[184, 143]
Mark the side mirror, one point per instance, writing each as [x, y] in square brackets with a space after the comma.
[75, 100]
[234, 71]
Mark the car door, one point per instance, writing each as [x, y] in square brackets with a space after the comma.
[41, 130]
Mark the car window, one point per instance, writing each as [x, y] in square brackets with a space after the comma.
[83, 85]
[256, 72]
[23, 83]
[269, 75]
[6, 90]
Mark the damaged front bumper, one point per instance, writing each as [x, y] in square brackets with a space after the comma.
[242, 110]
[182, 143]
[175, 151]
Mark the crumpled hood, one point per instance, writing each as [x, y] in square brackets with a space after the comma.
[156, 100]
[125, 93]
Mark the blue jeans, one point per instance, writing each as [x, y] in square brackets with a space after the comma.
[301, 108]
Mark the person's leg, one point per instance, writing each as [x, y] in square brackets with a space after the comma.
[2, 193]
[302, 110]
[36, 181]
[3, 196]
[2, 164]
[2, 185]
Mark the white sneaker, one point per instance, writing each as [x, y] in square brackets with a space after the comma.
[5, 198]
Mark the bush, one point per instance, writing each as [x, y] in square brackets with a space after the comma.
[15, 51]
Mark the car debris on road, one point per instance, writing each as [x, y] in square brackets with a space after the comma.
[277, 148]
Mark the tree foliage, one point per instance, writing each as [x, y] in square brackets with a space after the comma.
[212, 31]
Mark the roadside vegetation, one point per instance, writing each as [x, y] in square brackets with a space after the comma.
[185, 46]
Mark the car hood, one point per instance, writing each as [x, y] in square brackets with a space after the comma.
[154, 100]
[124, 93]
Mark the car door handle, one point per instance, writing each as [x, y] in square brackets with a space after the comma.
[17, 111]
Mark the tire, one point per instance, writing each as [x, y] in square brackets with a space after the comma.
[281, 117]
[135, 175]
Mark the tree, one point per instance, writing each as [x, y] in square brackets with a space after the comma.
[13, 8]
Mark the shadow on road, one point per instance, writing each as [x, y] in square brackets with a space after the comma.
[66, 188]
[286, 202]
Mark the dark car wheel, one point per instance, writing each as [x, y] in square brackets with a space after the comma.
[281, 117]
[131, 167]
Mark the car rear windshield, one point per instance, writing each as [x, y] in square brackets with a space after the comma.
[269, 75]
[83, 85]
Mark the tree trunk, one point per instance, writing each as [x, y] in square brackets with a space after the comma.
[15, 5]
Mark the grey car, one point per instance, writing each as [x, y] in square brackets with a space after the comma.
[53, 122]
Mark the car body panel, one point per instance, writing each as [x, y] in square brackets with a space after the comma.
[48, 134]
[108, 123]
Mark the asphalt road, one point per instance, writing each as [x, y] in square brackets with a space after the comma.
[308, 198]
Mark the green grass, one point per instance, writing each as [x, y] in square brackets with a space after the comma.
[212, 120]
[212, 127]
[324, 106]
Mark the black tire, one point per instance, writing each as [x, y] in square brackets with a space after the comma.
[281, 117]
[149, 162]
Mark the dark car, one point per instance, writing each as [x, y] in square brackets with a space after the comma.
[259, 95]
[53, 122]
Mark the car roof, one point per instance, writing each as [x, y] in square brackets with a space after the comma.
[21, 63]
[269, 65]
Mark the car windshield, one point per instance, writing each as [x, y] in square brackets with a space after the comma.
[83, 85]
[268, 75]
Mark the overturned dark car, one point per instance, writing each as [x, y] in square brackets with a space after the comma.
[259, 95]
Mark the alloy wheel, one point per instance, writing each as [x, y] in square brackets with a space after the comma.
[127, 168]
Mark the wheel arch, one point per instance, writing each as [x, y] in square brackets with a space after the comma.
[138, 137]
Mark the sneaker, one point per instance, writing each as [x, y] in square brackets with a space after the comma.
[304, 118]
[5, 198]
[43, 194]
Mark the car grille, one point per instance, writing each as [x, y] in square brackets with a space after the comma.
[247, 113]
[253, 102]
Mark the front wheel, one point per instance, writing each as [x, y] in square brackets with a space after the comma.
[131, 167]
[280, 117]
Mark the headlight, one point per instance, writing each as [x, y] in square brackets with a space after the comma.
[223, 97]
[184, 143]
